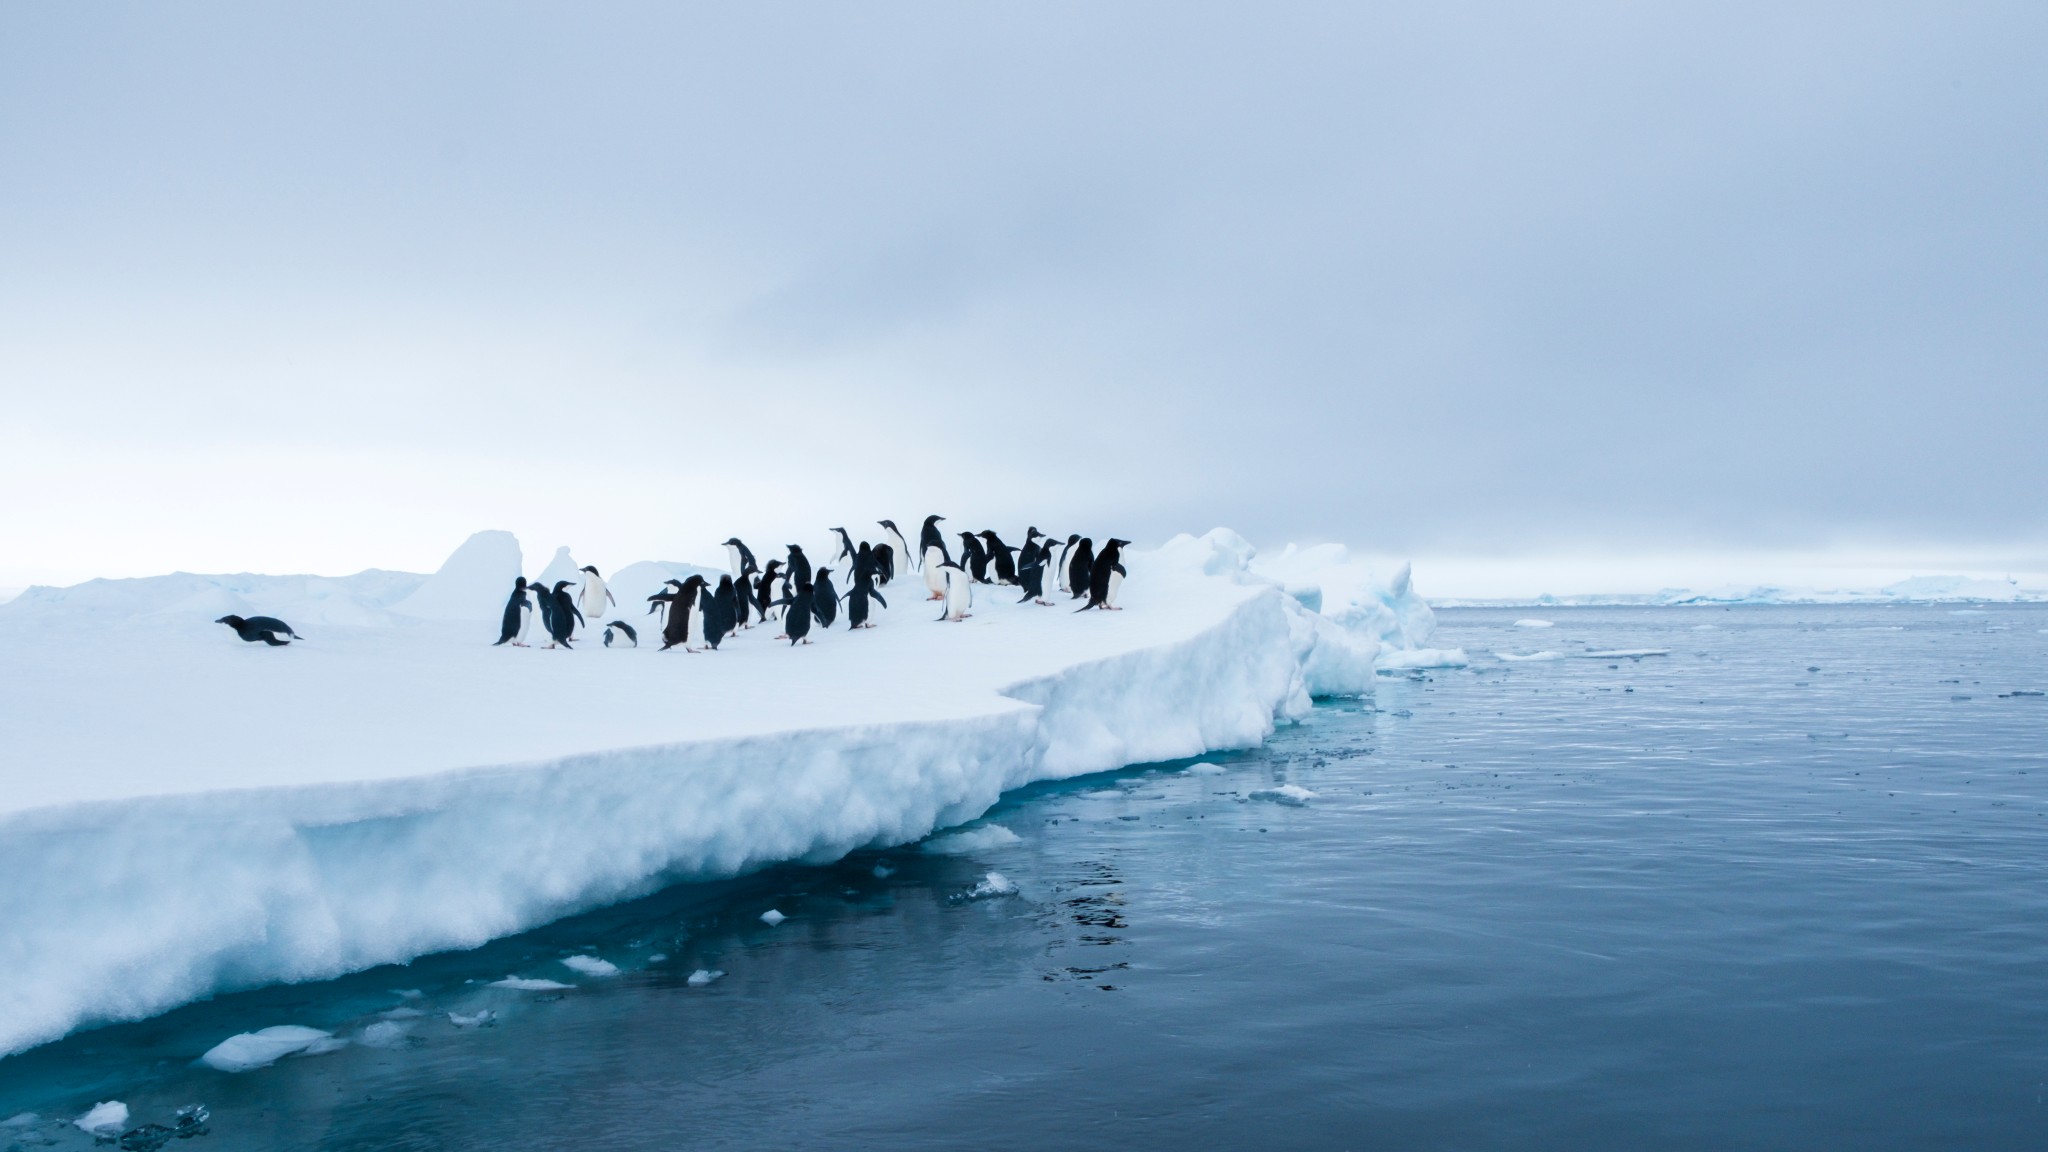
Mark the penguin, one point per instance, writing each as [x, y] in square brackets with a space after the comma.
[1106, 578]
[1029, 552]
[885, 563]
[718, 612]
[824, 599]
[743, 602]
[1080, 568]
[518, 616]
[619, 634]
[563, 625]
[544, 600]
[594, 596]
[739, 558]
[931, 549]
[264, 628]
[973, 558]
[1001, 557]
[857, 597]
[1061, 568]
[684, 614]
[959, 592]
[894, 541]
[799, 565]
[1031, 577]
[796, 622]
[764, 589]
[845, 548]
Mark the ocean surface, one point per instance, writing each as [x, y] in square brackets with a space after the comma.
[1781, 883]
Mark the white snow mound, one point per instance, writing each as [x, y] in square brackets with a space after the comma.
[472, 584]
[107, 1116]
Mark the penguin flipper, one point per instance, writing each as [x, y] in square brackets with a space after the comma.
[877, 597]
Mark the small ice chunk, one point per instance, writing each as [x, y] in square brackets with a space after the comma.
[1205, 769]
[385, 1034]
[703, 976]
[883, 871]
[983, 839]
[20, 1120]
[401, 1014]
[529, 984]
[771, 917]
[1513, 658]
[1534, 624]
[657, 958]
[107, 1116]
[1968, 612]
[994, 884]
[1631, 653]
[408, 993]
[1706, 627]
[1293, 795]
[483, 1019]
[247, 1051]
[591, 965]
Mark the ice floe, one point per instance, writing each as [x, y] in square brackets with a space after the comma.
[107, 1116]
[247, 1051]
[530, 984]
[993, 884]
[590, 965]
[1292, 795]
[986, 838]
[703, 976]
[772, 917]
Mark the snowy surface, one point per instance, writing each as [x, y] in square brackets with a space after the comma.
[184, 813]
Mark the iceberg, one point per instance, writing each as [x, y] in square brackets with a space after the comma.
[185, 815]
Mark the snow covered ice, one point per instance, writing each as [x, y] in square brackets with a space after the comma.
[106, 1116]
[772, 917]
[591, 965]
[248, 1051]
[393, 785]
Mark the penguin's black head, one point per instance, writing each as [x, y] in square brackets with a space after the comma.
[561, 584]
[1073, 537]
[592, 569]
[795, 551]
[732, 541]
[519, 585]
[889, 524]
[231, 621]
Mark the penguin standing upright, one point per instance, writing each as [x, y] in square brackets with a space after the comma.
[796, 621]
[1001, 557]
[1106, 577]
[931, 549]
[717, 612]
[799, 566]
[518, 617]
[739, 558]
[1031, 577]
[844, 555]
[743, 602]
[885, 563]
[619, 634]
[562, 626]
[824, 599]
[594, 596]
[862, 591]
[544, 600]
[1062, 568]
[764, 589]
[959, 591]
[972, 558]
[894, 540]
[1080, 567]
[1029, 552]
[684, 614]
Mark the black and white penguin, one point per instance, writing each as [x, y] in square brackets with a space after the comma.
[863, 590]
[1062, 568]
[268, 629]
[544, 602]
[824, 599]
[765, 590]
[1001, 557]
[743, 602]
[518, 617]
[1029, 552]
[885, 562]
[894, 540]
[1031, 577]
[562, 625]
[796, 621]
[1080, 568]
[844, 554]
[931, 551]
[718, 612]
[973, 558]
[959, 591]
[619, 634]
[684, 614]
[594, 596]
[799, 566]
[1106, 577]
[739, 558]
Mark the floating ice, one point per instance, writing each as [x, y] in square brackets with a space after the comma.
[986, 838]
[1968, 612]
[483, 1019]
[657, 958]
[994, 884]
[1706, 627]
[1628, 653]
[1534, 624]
[385, 1034]
[20, 1120]
[1205, 769]
[247, 1051]
[1293, 795]
[1422, 658]
[1512, 658]
[530, 984]
[703, 976]
[591, 965]
[401, 1014]
[108, 1116]
[772, 917]
[883, 871]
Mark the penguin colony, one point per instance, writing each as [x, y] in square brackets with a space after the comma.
[695, 615]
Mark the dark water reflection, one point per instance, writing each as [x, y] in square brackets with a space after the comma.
[1777, 889]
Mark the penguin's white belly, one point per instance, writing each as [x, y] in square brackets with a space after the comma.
[1116, 581]
[1060, 575]
[934, 575]
[593, 599]
[959, 594]
[525, 622]
[693, 627]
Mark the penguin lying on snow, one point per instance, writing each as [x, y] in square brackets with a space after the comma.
[619, 634]
[264, 628]
[1106, 577]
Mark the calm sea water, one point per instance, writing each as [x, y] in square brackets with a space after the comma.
[1783, 887]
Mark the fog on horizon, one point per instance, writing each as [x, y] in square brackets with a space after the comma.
[324, 289]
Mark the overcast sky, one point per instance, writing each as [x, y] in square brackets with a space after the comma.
[321, 287]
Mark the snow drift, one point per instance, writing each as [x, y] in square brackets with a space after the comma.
[185, 814]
